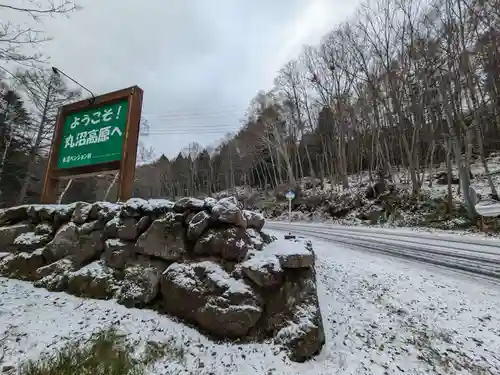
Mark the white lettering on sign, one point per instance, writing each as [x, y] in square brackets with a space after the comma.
[69, 159]
[108, 114]
[91, 137]
[95, 118]
[116, 130]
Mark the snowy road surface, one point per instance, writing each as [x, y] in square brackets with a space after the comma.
[473, 254]
[382, 316]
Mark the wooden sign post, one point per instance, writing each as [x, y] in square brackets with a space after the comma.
[95, 137]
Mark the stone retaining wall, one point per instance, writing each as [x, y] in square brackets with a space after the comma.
[205, 261]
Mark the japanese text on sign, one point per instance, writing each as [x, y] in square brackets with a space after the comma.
[93, 136]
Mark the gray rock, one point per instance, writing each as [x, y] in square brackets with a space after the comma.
[92, 226]
[81, 212]
[205, 294]
[59, 267]
[65, 242]
[44, 212]
[54, 277]
[292, 253]
[293, 312]
[229, 244]
[255, 238]
[44, 228]
[90, 248]
[117, 253]
[95, 280]
[8, 234]
[29, 241]
[198, 224]
[209, 203]
[143, 224]
[188, 204]
[127, 230]
[13, 215]
[164, 239]
[111, 228]
[254, 220]
[104, 211]
[141, 283]
[22, 265]
[227, 211]
[263, 271]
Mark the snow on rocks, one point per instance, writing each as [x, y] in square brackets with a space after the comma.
[206, 294]
[164, 238]
[254, 220]
[9, 233]
[141, 283]
[263, 271]
[183, 258]
[227, 210]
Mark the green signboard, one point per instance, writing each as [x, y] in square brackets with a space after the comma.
[93, 136]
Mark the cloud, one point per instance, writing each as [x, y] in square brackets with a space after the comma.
[199, 62]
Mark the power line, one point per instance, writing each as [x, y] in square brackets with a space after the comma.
[206, 132]
[189, 114]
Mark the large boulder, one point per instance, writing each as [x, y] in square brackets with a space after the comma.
[54, 277]
[254, 220]
[294, 315]
[95, 280]
[264, 271]
[13, 215]
[164, 238]
[22, 265]
[209, 203]
[137, 207]
[104, 211]
[90, 247]
[8, 234]
[198, 225]
[47, 213]
[44, 228]
[207, 295]
[189, 204]
[291, 254]
[255, 238]
[230, 243]
[65, 242]
[30, 241]
[141, 283]
[117, 253]
[94, 225]
[81, 212]
[111, 227]
[227, 211]
[127, 231]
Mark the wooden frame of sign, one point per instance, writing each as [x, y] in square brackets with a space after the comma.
[125, 166]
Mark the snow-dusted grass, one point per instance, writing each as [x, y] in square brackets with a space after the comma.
[381, 315]
[104, 353]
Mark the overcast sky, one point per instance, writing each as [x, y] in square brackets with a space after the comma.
[199, 62]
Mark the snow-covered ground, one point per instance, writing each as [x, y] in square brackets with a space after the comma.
[381, 316]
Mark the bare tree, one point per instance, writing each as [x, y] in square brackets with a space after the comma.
[15, 37]
[46, 92]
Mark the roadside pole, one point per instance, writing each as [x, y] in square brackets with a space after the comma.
[290, 195]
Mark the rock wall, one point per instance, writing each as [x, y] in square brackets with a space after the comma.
[205, 261]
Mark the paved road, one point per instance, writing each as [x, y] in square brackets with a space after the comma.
[475, 255]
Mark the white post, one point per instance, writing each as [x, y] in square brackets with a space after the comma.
[289, 211]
